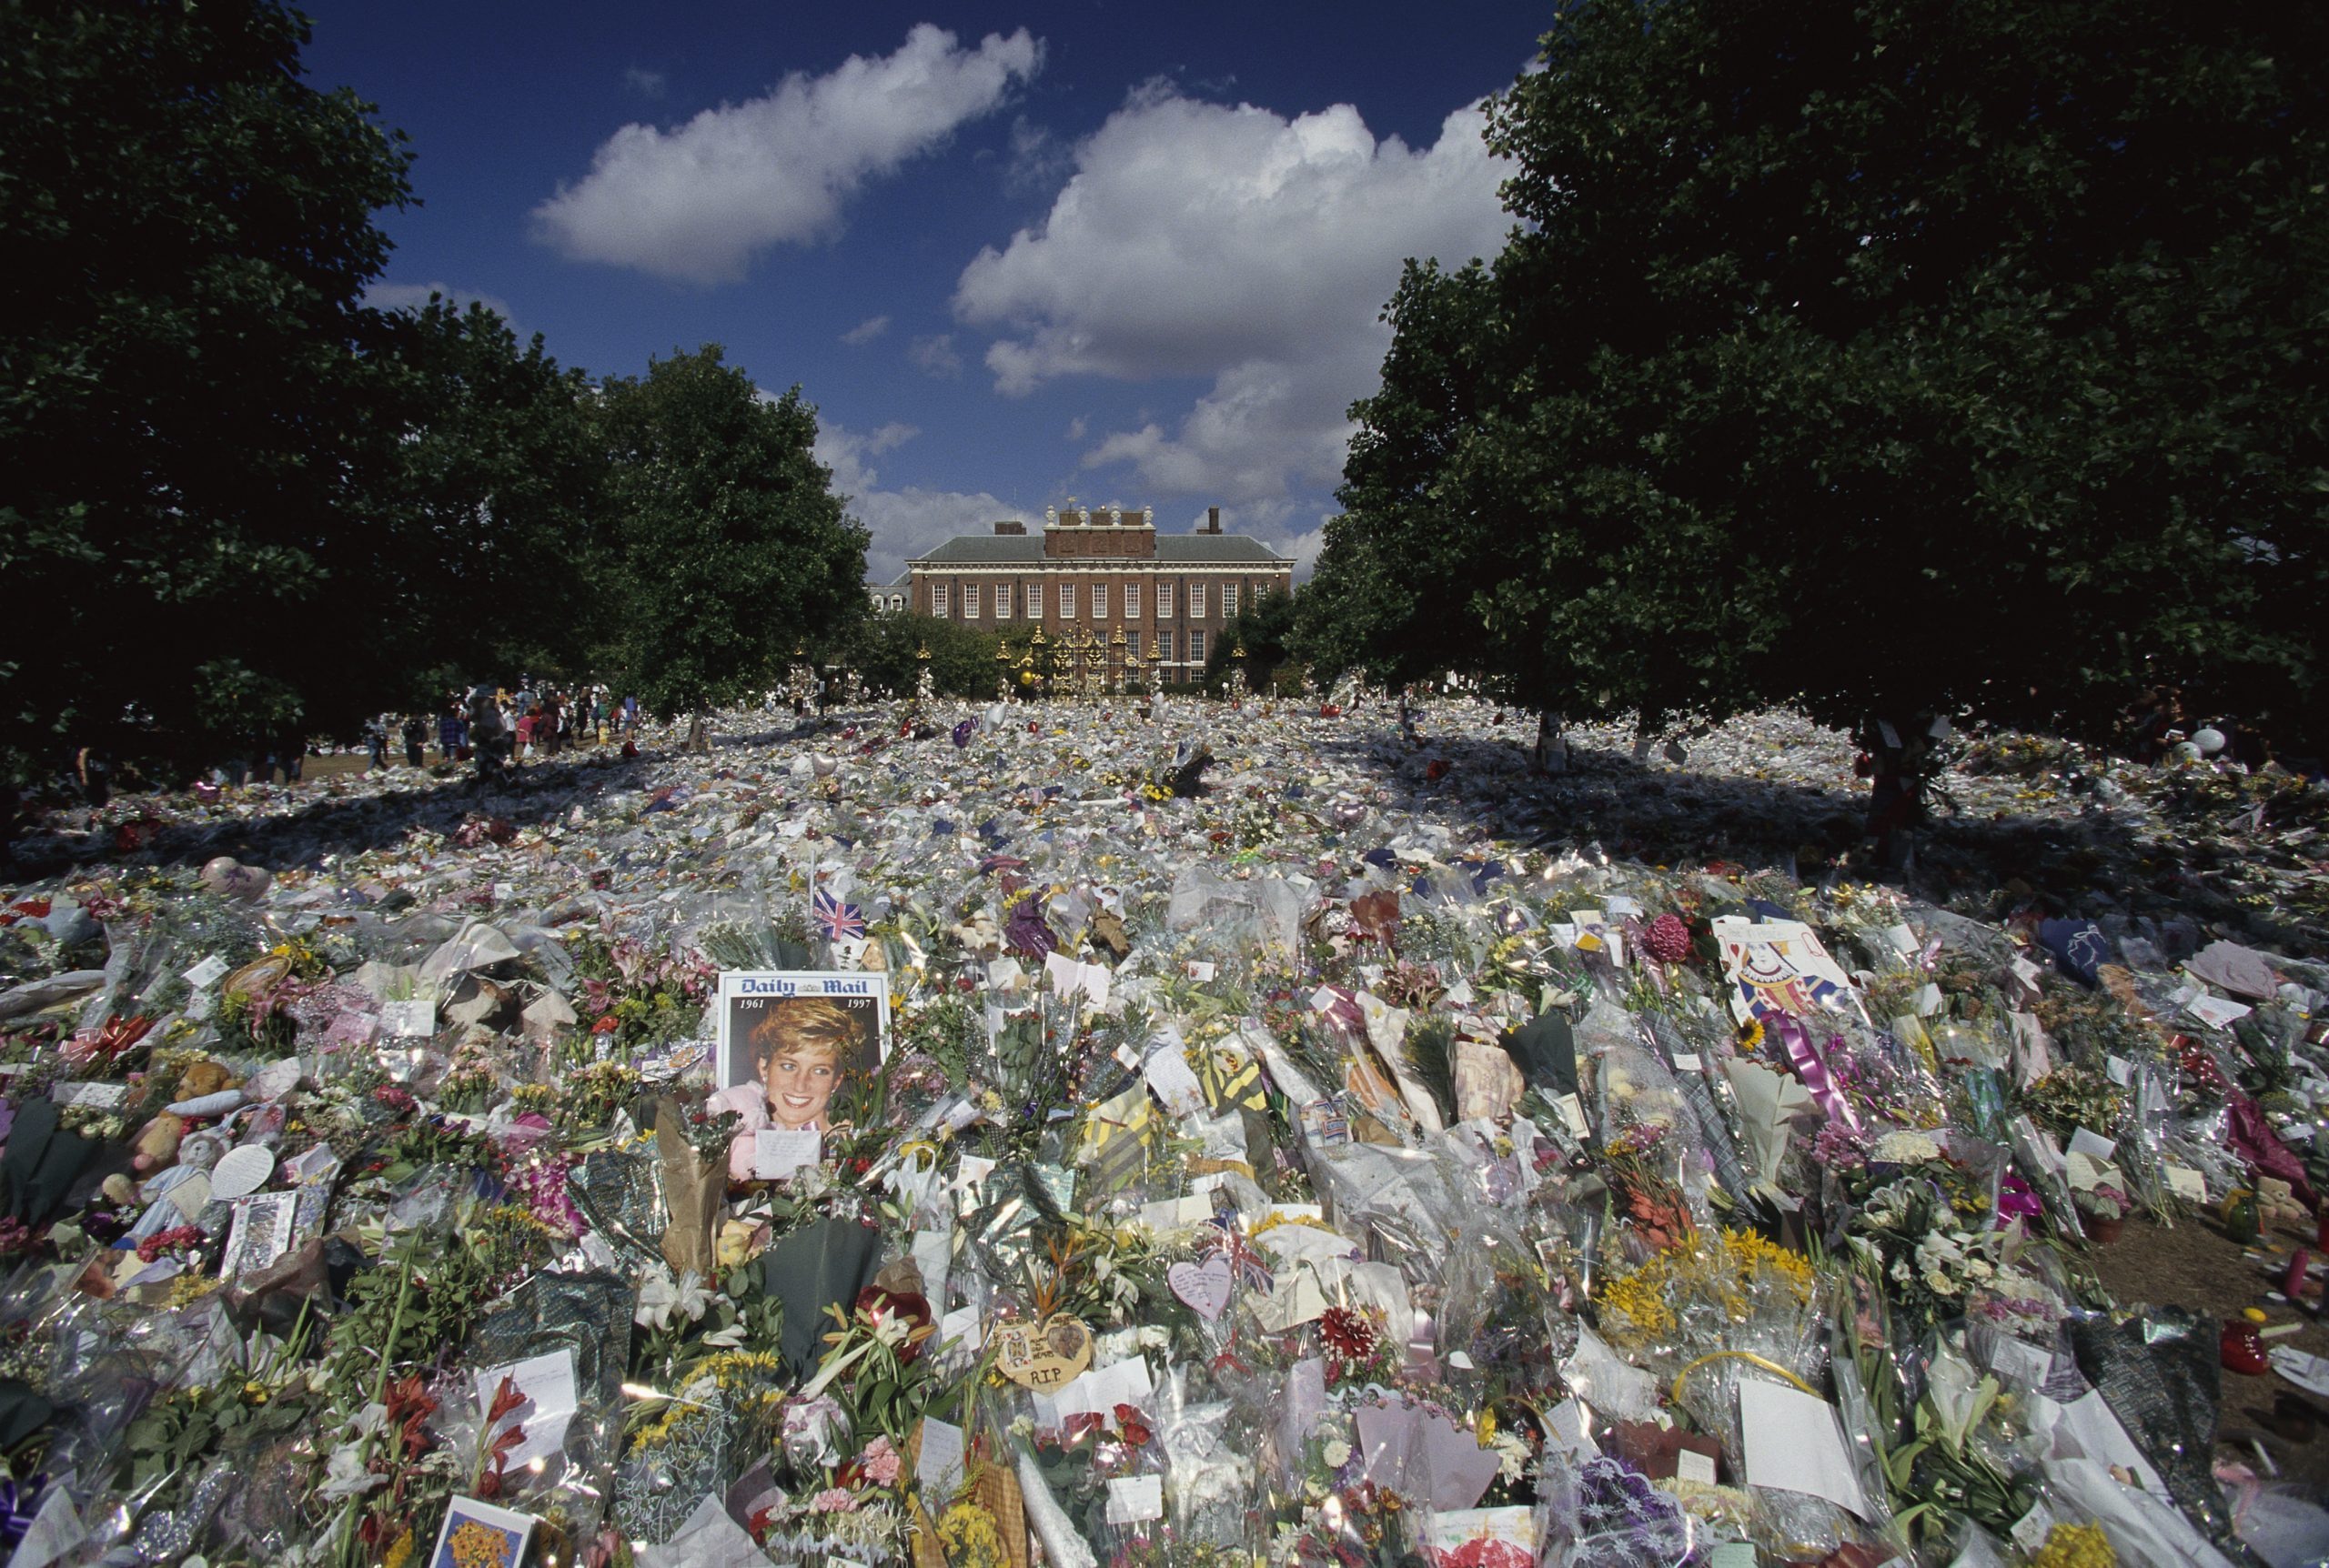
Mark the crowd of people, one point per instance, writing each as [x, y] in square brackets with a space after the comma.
[491, 725]
[495, 726]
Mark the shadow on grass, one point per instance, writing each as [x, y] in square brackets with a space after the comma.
[327, 823]
[2091, 864]
[336, 824]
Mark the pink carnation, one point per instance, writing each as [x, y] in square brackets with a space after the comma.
[879, 1462]
[834, 1499]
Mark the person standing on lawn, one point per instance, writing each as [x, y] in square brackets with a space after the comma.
[291, 750]
[487, 734]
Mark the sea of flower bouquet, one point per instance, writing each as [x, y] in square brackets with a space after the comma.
[1289, 1173]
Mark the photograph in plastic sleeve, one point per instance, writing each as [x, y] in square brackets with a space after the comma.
[479, 1535]
[793, 1044]
[261, 1232]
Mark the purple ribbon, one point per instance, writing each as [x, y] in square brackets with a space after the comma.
[1811, 1069]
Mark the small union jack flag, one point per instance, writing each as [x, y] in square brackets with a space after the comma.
[836, 920]
[1246, 1261]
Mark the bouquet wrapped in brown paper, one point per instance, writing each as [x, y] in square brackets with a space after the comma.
[694, 1186]
[992, 1490]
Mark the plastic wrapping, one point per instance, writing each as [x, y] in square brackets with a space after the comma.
[1297, 1169]
[2159, 1373]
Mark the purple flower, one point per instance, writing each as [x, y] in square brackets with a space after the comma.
[1839, 1148]
[542, 1188]
[1615, 1499]
[2016, 1201]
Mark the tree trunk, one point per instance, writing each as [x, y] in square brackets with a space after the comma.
[1903, 755]
[1550, 754]
[699, 733]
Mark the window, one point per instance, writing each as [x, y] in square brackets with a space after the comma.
[1067, 601]
[1196, 601]
[1032, 598]
[937, 599]
[1099, 601]
[970, 602]
[1131, 601]
[897, 602]
[1165, 603]
[1165, 638]
[1197, 645]
[1229, 601]
[1003, 601]
[1132, 645]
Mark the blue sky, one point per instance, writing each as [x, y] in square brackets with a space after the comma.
[1014, 254]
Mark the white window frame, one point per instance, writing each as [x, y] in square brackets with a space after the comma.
[897, 602]
[1132, 644]
[1196, 601]
[1099, 601]
[1164, 645]
[938, 600]
[1003, 601]
[1229, 601]
[1067, 601]
[970, 602]
[1164, 601]
[1131, 601]
[1196, 646]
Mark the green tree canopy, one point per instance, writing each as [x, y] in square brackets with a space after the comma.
[1884, 357]
[182, 389]
[489, 484]
[1264, 628]
[962, 656]
[729, 545]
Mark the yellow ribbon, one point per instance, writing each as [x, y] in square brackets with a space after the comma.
[1748, 1356]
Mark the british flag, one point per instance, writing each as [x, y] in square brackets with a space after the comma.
[1246, 1261]
[836, 920]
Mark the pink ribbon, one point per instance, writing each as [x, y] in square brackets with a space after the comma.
[1812, 1070]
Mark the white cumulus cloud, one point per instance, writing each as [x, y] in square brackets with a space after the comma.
[936, 357]
[866, 331]
[1304, 547]
[697, 202]
[1196, 239]
[904, 523]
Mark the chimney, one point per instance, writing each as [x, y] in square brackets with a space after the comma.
[1212, 520]
[1015, 530]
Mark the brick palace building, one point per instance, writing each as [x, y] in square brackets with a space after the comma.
[1102, 569]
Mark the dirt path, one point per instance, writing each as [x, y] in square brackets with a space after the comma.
[2196, 1265]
